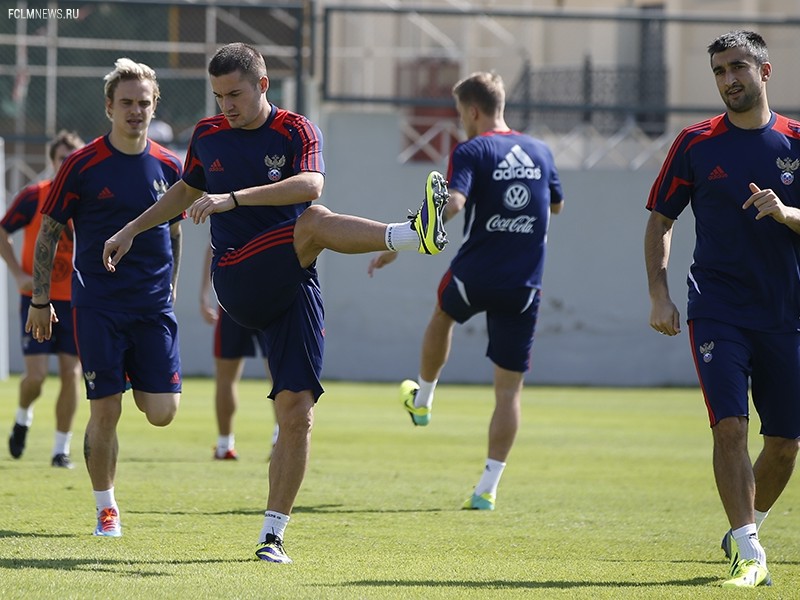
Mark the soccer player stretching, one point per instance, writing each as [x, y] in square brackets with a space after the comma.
[739, 172]
[124, 322]
[508, 185]
[255, 170]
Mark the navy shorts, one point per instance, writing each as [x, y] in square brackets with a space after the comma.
[115, 346]
[510, 318]
[730, 359]
[62, 341]
[262, 286]
[233, 341]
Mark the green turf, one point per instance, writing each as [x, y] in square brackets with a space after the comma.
[608, 494]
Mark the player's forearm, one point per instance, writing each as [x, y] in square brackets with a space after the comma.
[7, 254]
[177, 199]
[657, 240]
[176, 241]
[297, 189]
[43, 255]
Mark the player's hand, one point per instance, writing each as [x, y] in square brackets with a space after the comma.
[767, 203]
[665, 318]
[115, 248]
[207, 311]
[380, 261]
[40, 322]
[208, 204]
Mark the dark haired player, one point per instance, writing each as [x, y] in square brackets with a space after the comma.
[739, 172]
[256, 169]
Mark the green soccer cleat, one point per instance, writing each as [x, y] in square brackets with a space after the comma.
[483, 501]
[271, 550]
[428, 222]
[420, 416]
[748, 573]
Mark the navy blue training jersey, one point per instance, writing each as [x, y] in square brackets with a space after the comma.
[509, 180]
[101, 189]
[745, 272]
[221, 159]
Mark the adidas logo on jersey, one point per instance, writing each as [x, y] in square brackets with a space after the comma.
[216, 167]
[516, 165]
[105, 194]
[717, 173]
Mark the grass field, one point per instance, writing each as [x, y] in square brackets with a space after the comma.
[608, 494]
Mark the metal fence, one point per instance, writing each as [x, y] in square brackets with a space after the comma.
[53, 56]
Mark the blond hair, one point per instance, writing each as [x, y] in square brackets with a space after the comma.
[126, 69]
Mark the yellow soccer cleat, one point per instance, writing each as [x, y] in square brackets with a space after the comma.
[748, 573]
[420, 416]
[429, 221]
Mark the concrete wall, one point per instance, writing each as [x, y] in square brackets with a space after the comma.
[593, 321]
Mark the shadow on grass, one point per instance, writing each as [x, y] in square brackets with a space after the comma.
[319, 509]
[500, 584]
[105, 565]
[5, 533]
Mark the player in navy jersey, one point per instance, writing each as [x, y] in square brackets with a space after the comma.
[24, 213]
[507, 184]
[739, 172]
[232, 344]
[125, 327]
[255, 170]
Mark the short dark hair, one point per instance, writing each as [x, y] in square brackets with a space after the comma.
[483, 89]
[238, 57]
[69, 139]
[750, 41]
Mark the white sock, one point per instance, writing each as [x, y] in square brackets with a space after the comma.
[424, 395]
[105, 499]
[749, 546]
[274, 523]
[490, 478]
[225, 443]
[400, 236]
[760, 516]
[62, 441]
[25, 416]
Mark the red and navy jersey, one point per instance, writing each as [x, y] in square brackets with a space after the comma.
[101, 189]
[509, 180]
[745, 272]
[221, 159]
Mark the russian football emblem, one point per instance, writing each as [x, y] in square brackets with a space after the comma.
[160, 187]
[787, 167]
[90, 376]
[274, 166]
[705, 351]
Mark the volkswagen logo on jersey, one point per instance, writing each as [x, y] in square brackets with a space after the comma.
[517, 196]
[160, 187]
[516, 165]
[788, 167]
[274, 165]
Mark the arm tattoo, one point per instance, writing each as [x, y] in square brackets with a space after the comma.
[43, 255]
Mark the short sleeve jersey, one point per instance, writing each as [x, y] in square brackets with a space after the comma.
[221, 159]
[24, 213]
[101, 189]
[509, 180]
[745, 272]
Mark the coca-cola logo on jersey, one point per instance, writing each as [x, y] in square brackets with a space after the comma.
[520, 224]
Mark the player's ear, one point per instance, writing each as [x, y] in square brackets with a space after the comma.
[263, 84]
[766, 71]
